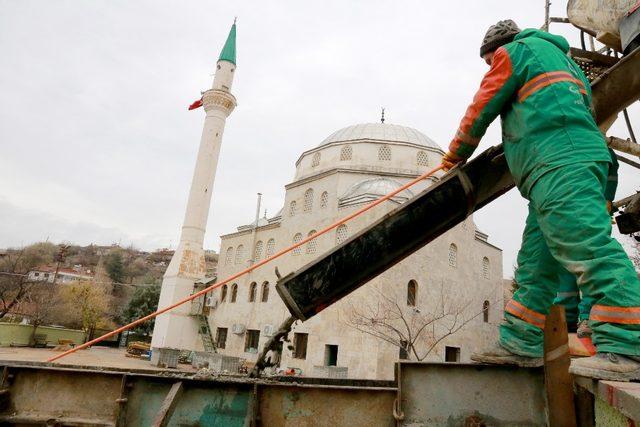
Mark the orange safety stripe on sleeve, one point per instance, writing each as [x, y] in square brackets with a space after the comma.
[545, 79]
[533, 317]
[626, 315]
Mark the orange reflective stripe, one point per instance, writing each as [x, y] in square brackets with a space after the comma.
[528, 315]
[545, 79]
[626, 315]
[467, 139]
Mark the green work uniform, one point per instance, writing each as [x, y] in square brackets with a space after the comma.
[560, 162]
[577, 307]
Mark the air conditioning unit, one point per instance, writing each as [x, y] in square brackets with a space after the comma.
[211, 301]
[237, 328]
[268, 330]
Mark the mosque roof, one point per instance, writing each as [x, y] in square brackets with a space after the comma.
[380, 132]
[372, 189]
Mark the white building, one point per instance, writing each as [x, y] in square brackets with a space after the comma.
[350, 168]
[65, 275]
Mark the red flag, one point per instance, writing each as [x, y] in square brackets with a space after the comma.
[196, 104]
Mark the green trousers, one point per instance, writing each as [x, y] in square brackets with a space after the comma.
[576, 307]
[569, 229]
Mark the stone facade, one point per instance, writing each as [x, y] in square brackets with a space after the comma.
[352, 167]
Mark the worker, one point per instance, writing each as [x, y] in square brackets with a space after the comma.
[559, 161]
[576, 306]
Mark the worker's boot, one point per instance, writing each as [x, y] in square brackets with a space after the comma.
[498, 355]
[607, 366]
[584, 330]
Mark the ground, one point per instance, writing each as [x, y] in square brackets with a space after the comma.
[99, 357]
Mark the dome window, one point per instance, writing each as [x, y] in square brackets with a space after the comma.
[324, 200]
[271, 247]
[240, 254]
[257, 253]
[311, 244]
[422, 158]
[296, 239]
[453, 255]
[384, 153]
[308, 200]
[341, 234]
[292, 208]
[229, 256]
[346, 153]
[315, 160]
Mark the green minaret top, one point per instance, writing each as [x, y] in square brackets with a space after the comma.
[229, 50]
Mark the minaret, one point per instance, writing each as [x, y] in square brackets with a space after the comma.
[177, 328]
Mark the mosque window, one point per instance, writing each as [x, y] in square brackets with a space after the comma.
[240, 254]
[485, 311]
[453, 255]
[257, 253]
[341, 234]
[324, 199]
[315, 160]
[296, 239]
[229, 256]
[223, 293]
[234, 292]
[346, 152]
[422, 158]
[271, 247]
[308, 200]
[311, 244]
[252, 291]
[485, 268]
[265, 292]
[292, 208]
[412, 293]
[384, 153]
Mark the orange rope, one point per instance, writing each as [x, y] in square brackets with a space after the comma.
[249, 269]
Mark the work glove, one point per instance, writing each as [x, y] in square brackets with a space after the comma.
[449, 161]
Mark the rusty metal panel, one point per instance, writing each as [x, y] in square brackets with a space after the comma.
[64, 395]
[454, 394]
[202, 403]
[307, 406]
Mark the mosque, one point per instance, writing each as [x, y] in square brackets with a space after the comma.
[438, 304]
[460, 272]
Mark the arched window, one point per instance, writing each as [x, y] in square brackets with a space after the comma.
[324, 200]
[234, 292]
[311, 244]
[240, 254]
[453, 255]
[257, 252]
[412, 293]
[296, 239]
[384, 153]
[228, 259]
[253, 287]
[265, 292]
[485, 311]
[346, 152]
[315, 160]
[292, 208]
[341, 234]
[422, 158]
[271, 247]
[223, 293]
[308, 200]
[485, 268]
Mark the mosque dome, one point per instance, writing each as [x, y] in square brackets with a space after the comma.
[380, 132]
[372, 189]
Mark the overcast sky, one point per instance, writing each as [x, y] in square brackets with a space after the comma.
[98, 145]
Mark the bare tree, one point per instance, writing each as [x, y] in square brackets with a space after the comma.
[416, 330]
[14, 267]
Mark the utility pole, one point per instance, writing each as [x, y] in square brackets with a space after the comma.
[547, 7]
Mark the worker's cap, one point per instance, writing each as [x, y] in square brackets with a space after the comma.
[498, 35]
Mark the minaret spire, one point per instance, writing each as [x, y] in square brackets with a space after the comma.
[179, 328]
